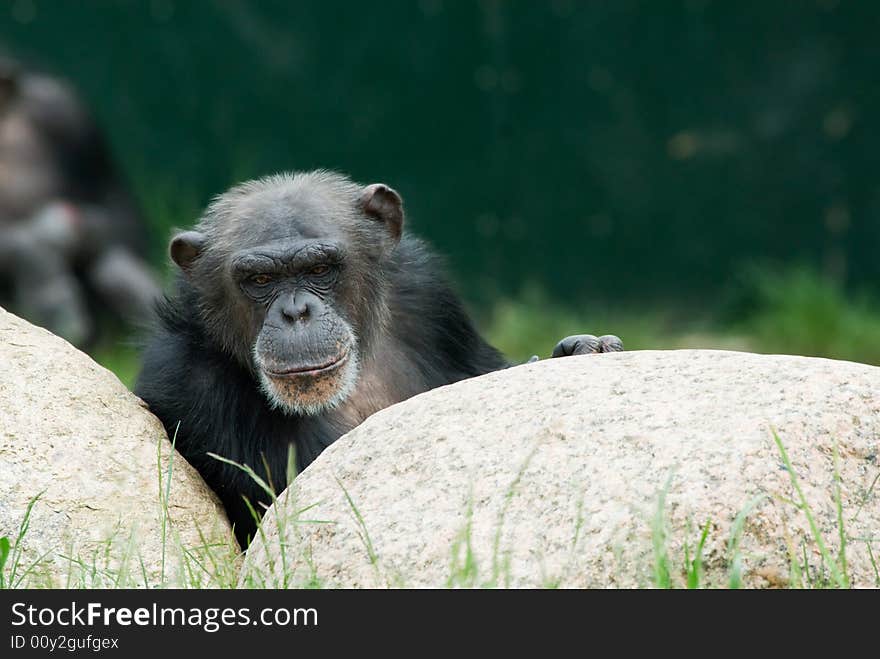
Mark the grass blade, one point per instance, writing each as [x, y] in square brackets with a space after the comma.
[837, 576]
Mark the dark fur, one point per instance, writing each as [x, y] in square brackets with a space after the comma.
[414, 335]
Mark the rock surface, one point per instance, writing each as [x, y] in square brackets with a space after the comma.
[71, 431]
[553, 473]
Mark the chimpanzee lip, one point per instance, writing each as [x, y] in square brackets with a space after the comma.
[310, 369]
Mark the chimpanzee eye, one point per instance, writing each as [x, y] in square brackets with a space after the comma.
[319, 270]
[260, 280]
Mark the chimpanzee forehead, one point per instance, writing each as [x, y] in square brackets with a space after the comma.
[272, 215]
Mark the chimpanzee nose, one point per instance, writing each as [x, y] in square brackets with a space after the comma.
[294, 311]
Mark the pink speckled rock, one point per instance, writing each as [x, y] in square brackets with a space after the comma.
[552, 473]
[71, 430]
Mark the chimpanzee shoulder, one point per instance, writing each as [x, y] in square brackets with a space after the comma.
[430, 319]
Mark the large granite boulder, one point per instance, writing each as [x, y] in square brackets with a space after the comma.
[99, 463]
[598, 471]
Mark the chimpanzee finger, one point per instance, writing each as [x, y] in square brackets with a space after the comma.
[579, 344]
[610, 343]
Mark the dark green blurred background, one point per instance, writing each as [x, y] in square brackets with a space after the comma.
[689, 173]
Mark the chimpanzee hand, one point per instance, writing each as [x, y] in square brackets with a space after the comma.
[587, 344]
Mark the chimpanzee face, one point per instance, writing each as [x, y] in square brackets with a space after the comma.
[292, 282]
[306, 351]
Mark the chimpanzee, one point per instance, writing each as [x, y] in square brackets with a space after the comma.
[302, 308]
[70, 233]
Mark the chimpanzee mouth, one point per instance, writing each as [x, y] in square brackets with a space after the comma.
[309, 370]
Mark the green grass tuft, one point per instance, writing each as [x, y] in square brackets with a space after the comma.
[836, 566]
[662, 576]
[694, 566]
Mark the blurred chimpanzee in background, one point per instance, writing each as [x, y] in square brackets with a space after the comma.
[70, 234]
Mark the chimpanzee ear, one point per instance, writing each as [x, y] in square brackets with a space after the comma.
[384, 204]
[185, 247]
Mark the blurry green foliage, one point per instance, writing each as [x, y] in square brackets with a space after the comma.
[789, 311]
[796, 311]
